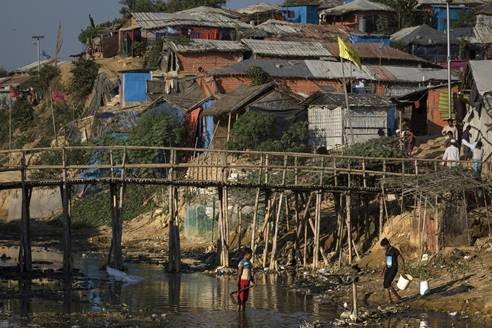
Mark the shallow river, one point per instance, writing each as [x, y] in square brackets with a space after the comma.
[185, 300]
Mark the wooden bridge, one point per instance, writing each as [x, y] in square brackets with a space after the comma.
[118, 166]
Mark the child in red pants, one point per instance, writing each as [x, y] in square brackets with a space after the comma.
[244, 278]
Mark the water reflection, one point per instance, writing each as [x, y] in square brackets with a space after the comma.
[187, 300]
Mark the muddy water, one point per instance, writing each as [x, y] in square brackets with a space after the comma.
[164, 300]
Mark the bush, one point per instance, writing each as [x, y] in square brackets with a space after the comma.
[262, 131]
[84, 74]
[153, 55]
[90, 32]
[94, 210]
[258, 75]
[380, 147]
[42, 82]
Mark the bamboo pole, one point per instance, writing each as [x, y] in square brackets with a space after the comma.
[349, 228]
[273, 254]
[318, 225]
[254, 223]
[25, 255]
[67, 223]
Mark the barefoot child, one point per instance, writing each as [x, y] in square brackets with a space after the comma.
[391, 267]
[244, 278]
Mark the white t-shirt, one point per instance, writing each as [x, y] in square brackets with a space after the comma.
[452, 155]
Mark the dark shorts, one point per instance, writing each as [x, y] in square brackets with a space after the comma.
[389, 276]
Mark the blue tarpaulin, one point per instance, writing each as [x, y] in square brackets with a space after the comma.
[207, 130]
[439, 17]
[359, 38]
[135, 86]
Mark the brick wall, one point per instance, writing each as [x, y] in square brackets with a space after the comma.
[190, 63]
[227, 84]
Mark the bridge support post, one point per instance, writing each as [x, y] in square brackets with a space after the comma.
[67, 220]
[25, 256]
[273, 254]
[223, 227]
[174, 252]
[116, 254]
[67, 230]
[317, 222]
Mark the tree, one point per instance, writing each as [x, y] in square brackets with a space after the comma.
[263, 131]
[84, 74]
[89, 32]
[405, 16]
[177, 5]
[258, 75]
[129, 6]
[165, 6]
[3, 72]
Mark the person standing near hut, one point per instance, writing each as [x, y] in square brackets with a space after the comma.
[477, 159]
[451, 155]
[467, 136]
[450, 127]
[391, 268]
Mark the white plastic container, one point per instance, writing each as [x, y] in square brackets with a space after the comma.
[404, 281]
[424, 287]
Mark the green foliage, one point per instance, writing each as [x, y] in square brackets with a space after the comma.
[153, 55]
[90, 32]
[42, 82]
[380, 147]
[383, 25]
[157, 129]
[258, 75]
[22, 114]
[251, 129]
[94, 210]
[84, 74]
[261, 131]
[177, 5]
[129, 6]
[405, 15]
[467, 19]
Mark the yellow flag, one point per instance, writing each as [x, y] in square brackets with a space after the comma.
[348, 53]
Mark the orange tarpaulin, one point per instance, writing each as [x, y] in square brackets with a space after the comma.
[191, 125]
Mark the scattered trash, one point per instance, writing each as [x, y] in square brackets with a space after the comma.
[453, 313]
[424, 287]
[404, 281]
[122, 276]
[425, 257]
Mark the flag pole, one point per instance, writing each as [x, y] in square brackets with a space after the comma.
[347, 108]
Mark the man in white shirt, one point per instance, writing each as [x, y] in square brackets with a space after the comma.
[450, 127]
[451, 156]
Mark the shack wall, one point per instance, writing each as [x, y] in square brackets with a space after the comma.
[191, 62]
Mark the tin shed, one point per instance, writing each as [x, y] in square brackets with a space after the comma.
[329, 128]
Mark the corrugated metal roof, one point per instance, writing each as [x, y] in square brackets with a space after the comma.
[27, 68]
[481, 34]
[421, 3]
[334, 100]
[201, 16]
[287, 48]
[235, 100]
[420, 35]
[407, 74]
[374, 51]
[280, 68]
[286, 30]
[356, 6]
[199, 45]
[482, 75]
[327, 70]
[259, 8]
[14, 80]
[321, 69]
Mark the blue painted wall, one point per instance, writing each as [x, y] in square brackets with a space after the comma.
[359, 38]
[301, 14]
[439, 16]
[134, 86]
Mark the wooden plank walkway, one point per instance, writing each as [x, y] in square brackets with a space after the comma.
[270, 172]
